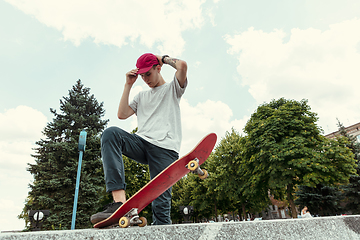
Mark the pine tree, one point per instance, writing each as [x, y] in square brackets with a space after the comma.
[353, 144]
[352, 190]
[321, 200]
[57, 157]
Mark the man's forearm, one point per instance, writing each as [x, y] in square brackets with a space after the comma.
[180, 66]
[125, 110]
[174, 62]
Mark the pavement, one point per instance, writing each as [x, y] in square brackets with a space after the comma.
[339, 227]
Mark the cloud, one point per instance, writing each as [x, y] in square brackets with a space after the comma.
[321, 66]
[210, 13]
[20, 128]
[158, 22]
[204, 118]
[21, 123]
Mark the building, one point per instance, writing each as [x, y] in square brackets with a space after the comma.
[353, 130]
[278, 209]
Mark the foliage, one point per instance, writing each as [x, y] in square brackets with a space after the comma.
[222, 191]
[190, 191]
[352, 194]
[180, 197]
[320, 200]
[353, 143]
[228, 183]
[352, 190]
[56, 162]
[284, 148]
[200, 196]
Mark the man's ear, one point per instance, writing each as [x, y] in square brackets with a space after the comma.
[158, 68]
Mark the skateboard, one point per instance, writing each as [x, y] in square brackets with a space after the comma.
[128, 213]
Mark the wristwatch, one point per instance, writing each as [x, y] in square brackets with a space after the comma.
[163, 57]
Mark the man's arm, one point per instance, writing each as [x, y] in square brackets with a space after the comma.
[179, 65]
[125, 110]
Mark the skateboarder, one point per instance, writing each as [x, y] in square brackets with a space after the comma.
[157, 141]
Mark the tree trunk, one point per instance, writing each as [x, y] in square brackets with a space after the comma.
[244, 212]
[239, 212]
[216, 218]
[291, 200]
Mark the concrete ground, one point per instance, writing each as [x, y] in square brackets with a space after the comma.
[341, 227]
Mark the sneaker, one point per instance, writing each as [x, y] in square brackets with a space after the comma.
[108, 211]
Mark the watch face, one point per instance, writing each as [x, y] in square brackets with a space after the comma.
[162, 59]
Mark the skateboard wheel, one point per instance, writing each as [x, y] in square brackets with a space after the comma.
[193, 165]
[124, 222]
[206, 174]
[144, 222]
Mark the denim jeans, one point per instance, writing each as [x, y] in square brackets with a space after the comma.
[116, 142]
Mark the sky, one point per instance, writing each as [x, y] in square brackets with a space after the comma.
[240, 54]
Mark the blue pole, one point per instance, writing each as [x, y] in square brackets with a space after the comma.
[82, 143]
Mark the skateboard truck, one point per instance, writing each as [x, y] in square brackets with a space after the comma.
[132, 218]
[194, 167]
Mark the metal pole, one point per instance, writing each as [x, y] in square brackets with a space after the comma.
[82, 143]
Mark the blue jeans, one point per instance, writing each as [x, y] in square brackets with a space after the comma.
[116, 142]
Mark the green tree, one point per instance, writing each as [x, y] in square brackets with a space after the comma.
[191, 191]
[320, 200]
[200, 198]
[284, 148]
[352, 190]
[180, 197]
[56, 162]
[353, 143]
[228, 183]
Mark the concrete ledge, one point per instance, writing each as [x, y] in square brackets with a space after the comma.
[345, 227]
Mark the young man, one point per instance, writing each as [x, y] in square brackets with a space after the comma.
[157, 141]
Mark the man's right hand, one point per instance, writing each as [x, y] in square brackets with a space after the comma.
[125, 110]
[131, 76]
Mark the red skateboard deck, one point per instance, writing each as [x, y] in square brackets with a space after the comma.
[163, 181]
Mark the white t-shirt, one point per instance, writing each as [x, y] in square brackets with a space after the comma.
[305, 214]
[158, 114]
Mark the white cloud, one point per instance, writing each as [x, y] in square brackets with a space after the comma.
[20, 128]
[321, 66]
[135, 90]
[8, 208]
[21, 123]
[211, 15]
[197, 64]
[204, 118]
[157, 22]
